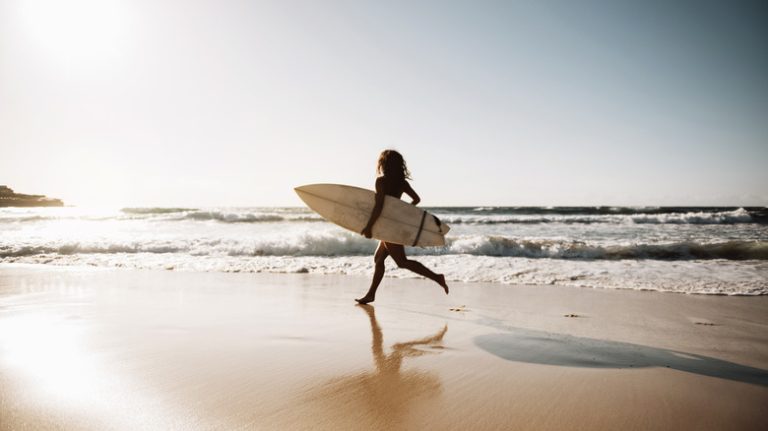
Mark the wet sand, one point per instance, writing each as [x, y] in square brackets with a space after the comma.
[126, 349]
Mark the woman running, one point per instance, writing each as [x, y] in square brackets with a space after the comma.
[392, 180]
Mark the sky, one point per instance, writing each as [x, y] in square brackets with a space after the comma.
[234, 103]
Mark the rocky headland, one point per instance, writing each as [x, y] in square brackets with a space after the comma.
[9, 198]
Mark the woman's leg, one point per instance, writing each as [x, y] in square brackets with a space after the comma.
[397, 252]
[378, 273]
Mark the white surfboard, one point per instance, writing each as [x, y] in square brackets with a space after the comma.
[350, 207]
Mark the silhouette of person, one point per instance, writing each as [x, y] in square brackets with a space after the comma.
[393, 181]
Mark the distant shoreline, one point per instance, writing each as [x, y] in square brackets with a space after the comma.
[9, 198]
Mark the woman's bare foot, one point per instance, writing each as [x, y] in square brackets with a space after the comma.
[365, 299]
[441, 281]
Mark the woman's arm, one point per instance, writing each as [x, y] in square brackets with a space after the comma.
[377, 207]
[412, 193]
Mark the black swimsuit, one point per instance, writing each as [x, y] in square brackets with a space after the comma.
[393, 187]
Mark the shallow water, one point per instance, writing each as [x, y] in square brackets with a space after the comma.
[692, 250]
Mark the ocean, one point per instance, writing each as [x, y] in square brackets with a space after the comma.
[701, 250]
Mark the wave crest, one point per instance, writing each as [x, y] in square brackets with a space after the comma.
[348, 244]
[155, 210]
[509, 247]
[701, 217]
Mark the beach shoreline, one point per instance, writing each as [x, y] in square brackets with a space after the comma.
[716, 250]
[84, 348]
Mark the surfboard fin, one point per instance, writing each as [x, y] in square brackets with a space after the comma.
[439, 224]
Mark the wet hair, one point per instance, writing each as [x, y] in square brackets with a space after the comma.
[391, 164]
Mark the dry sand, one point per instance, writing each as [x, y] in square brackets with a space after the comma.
[126, 349]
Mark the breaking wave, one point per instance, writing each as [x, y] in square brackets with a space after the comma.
[156, 210]
[713, 250]
[701, 217]
[509, 247]
[233, 217]
[464, 216]
[347, 244]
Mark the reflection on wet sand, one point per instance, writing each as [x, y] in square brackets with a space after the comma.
[378, 399]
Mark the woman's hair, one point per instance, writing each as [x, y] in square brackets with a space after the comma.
[391, 164]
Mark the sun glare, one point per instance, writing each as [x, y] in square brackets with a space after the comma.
[51, 354]
[78, 34]
[52, 357]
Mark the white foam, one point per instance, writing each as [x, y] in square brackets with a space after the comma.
[699, 277]
[697, 252]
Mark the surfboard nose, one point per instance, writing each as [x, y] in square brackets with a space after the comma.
[307, 188]
[301, 191]
[311, 192]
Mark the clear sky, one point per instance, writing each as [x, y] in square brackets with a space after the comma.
[207, 103]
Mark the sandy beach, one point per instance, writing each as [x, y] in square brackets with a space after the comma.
[103, 349]
[193, 194]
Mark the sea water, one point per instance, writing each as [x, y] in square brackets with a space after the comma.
[690, 250]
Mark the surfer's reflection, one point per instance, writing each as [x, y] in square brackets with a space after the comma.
[387, 364]
[380, 399]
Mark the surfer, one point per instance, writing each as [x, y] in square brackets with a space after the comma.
[392, 180]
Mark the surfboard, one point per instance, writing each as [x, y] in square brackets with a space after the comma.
[350, 207]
